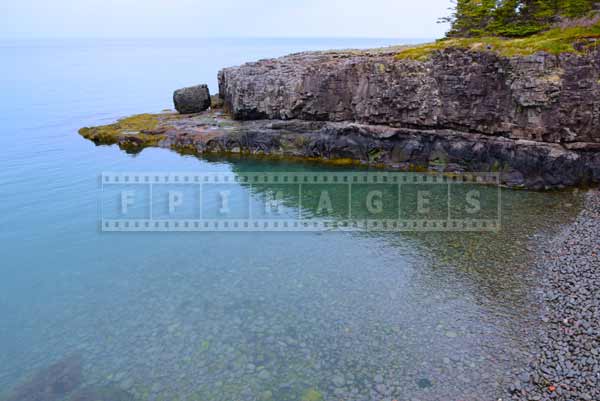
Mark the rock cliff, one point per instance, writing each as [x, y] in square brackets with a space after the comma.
[536, 118]
[542, 97]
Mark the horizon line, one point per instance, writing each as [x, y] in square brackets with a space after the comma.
[217, 38]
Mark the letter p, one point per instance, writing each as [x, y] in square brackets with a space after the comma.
[175, 200]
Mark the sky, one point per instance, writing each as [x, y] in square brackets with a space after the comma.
[221, 18]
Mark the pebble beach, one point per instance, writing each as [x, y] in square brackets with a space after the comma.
[568, 363]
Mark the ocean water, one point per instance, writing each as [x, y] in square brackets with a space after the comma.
[231, 316]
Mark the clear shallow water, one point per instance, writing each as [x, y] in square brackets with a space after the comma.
[231, 316]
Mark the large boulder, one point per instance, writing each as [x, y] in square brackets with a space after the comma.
[192, 100]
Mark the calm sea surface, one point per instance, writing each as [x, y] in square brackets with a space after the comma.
[231, 316]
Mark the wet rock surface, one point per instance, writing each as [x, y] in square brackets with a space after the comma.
[568, 364]
[192, 100]
[523, 163]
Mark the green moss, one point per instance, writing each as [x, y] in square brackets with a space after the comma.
[554, 41]
[312, 395]
[137, 123]
[131, 132]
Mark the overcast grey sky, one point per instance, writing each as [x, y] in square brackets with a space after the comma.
[221, 18]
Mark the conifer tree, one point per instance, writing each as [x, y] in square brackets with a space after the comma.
[511, 17]
[576, 8]
[472, 17]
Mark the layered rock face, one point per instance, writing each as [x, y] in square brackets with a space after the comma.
[524, 163]
[542, 97]
[535, 118]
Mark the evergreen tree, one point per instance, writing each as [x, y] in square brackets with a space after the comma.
[505, 17]
[576, 8]
[511, 17]
[472, 17]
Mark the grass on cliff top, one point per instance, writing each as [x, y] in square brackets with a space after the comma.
[554, 41]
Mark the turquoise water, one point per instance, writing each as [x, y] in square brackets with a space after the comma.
[231, 316]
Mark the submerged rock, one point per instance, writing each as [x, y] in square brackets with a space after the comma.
[52, 383]
[194, 99]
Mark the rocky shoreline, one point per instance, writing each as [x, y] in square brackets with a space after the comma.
[568, 362]
[533, 118]
[523, 163]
